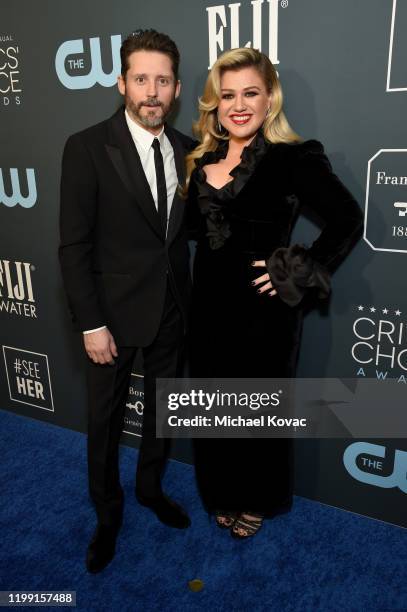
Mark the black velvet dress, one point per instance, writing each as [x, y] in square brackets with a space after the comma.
[236, 332]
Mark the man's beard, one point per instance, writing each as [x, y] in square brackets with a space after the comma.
[149, 120]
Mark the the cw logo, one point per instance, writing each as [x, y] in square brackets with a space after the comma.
[398, 478]
[16, 197]
[96, 73]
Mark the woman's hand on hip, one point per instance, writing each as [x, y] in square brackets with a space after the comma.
[264, 278]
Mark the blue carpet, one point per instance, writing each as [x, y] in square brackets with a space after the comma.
[314, 558]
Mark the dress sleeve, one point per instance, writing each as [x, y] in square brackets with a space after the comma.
[296, 269]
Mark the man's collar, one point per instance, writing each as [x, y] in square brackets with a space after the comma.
[143, 137]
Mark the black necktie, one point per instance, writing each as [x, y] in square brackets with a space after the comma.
[161, 184]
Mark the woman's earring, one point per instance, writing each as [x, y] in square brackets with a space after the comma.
[219, 125]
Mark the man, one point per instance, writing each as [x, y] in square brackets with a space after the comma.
[125, 264]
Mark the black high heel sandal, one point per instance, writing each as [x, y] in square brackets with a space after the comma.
[244, 528]
[229, 518]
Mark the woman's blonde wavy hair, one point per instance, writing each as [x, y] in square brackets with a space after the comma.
[275, 127]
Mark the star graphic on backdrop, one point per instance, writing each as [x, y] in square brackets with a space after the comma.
[385, 311]
[398, 312]
[372, 309]
[360, 307]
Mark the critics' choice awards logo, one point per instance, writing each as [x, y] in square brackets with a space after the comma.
[133, 418]
[396, 68]
[224, 23]
[386, 201]
[371, 464]
[16, 289]
[379, 348]
[10, 78]
[28, 377]
[78, 63]
[13, 191]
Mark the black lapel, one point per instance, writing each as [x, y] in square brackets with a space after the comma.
[123, 154]
[178, 204]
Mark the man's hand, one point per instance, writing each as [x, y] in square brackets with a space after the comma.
[100, 346]
[264, 278]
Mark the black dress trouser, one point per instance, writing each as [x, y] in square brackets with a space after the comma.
[108, 388]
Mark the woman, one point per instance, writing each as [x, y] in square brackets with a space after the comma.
[246, 182]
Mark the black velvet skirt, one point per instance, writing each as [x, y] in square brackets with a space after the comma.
[237, 333]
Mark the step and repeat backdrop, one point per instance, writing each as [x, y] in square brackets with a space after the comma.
[344, 75]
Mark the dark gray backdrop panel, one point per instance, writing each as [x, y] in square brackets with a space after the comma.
[343, 73]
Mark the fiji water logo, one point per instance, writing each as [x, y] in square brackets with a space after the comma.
[226, 19]
[16, 289]
[69, 64]
[15, 280]
[360, 458]
[11, 192]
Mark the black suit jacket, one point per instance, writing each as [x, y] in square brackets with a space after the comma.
[114, 257]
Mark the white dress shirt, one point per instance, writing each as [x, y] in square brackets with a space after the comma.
[143, 140]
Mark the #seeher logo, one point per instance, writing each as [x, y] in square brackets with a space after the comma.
[28, 377]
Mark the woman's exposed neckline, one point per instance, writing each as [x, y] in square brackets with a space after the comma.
[218, 188]
[246, 147]
[227, 182]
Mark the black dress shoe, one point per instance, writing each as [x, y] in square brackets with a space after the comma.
[101, 548]
[167, 511]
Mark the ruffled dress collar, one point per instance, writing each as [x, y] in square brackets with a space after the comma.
[241, 173]
[214, 203]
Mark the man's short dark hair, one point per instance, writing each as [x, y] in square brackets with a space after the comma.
[149, 40]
